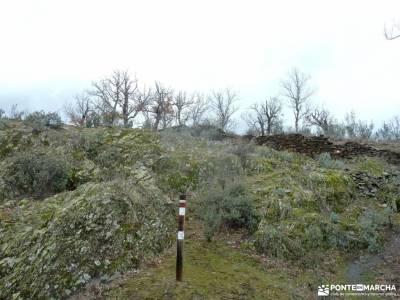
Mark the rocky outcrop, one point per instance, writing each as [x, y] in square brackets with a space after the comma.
[369, 185]
[314, 145]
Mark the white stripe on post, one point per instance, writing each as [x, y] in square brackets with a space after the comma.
[181, 211]
[180, 237]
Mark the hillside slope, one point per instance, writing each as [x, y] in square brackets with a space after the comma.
[82, 207]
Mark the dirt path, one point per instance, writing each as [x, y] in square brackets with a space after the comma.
[383, 267]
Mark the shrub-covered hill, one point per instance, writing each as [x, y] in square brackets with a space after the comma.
[55, 246]
[82, 204]
[75, 205]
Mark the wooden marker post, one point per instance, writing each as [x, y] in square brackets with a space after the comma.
[181, 237]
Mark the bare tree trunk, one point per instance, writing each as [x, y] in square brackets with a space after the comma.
[161, 107]
[182, 102]
[296, 89]
[223, 105]
[266, 116]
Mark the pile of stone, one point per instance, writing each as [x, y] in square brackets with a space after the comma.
[390, 156]
[369, 185]
[350, 149]
[309, 145]
[314, 145]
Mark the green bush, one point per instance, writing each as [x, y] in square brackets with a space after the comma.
[207, 131]
[276, 241]
[39, 120]
[224, 168]
[230, 208]
[334, 217]
[36, 174]
[177, 173]
[332, 189]
[88, 142]
[110, 161]
[370, 223]
[243, 151]
[340, 238]
[3, 124]
[371, 165]
[325, 161]
[265, 152]
[277, 210]
[313, 236]
[212, 220]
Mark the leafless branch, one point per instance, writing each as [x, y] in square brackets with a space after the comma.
[296, 89]
[223, 105]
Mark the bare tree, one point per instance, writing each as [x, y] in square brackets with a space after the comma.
[390, 130]
[198, 109]
[134, 100]
[130, 107]
[296, 89]
[78, 112]
[2, 113]
[321, 118]
[365, 130]
[182, 103]
[266, 116]
[145, 96]
[350, 123]
[394, 126]
[358, 128]
[108, 95]
[118, 97]
[223, 105]
[161, 108]
[15, 113]
[255, 120]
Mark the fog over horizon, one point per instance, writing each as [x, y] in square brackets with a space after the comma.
[52, 50]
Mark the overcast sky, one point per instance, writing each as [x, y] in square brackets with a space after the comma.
[52, 49]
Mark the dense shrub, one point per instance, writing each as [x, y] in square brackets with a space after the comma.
[338, 237]
[370, 165]
[225, 169]
[39, 120]
[276, 241]
[207, 131]
[333, 189]
[290, 238]
[3, 124]
[325, 161]
[87, 142]
[229, 207]
[313, 236]
[109, 157]
[36, 174]
[54, 247]
[277, 209]
[243, 151]
[177, 173]
[294, 237]
[370, 223]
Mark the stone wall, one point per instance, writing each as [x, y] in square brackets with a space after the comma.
[314, 145]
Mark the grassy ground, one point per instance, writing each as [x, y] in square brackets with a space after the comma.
[213, 270]
[226, 268]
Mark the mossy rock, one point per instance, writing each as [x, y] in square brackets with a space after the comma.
[52, 248]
